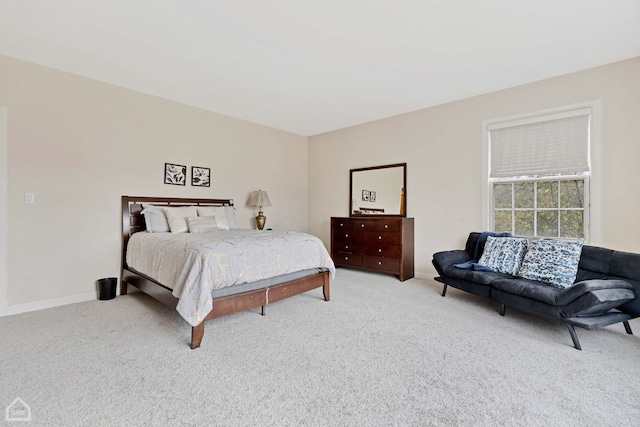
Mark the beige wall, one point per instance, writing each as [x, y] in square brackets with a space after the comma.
[79, 145]
[442, 147]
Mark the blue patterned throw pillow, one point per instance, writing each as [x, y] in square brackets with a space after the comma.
[503, 254]
[552, 261]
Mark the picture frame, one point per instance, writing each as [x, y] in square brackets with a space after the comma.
[365, 195]
[200, 177]
[372, 196]
[175, 174]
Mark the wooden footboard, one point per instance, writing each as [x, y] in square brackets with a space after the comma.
[230, 304]
[260, 298]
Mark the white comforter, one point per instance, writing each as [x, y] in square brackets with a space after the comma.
[194, 264]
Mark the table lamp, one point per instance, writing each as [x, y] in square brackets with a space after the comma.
[260, 198]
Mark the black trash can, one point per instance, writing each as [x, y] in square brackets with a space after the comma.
[107, 288]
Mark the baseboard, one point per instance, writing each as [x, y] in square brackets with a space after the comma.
[49, 303]
[426, 276]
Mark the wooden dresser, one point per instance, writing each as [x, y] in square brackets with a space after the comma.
[383, 244]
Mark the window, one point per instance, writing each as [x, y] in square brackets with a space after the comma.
[539, 174]
[544, 208]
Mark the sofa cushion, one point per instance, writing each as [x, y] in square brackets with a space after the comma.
[503, 254]
[551, 261]
[480, 277]
[595, 259]
[469, 286]
[625, 264]
[531, 289]
[528, 305]
[472, 243]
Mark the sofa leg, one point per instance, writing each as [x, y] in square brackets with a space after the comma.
[627, 327]
[574, 337]
[444, 289]
[502, 309]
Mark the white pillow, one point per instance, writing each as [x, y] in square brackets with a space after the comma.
[202, 224]
[219, 212]
[177, 217]
[230, 212]
[155, 219]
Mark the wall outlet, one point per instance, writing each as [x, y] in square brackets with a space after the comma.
[29, 198]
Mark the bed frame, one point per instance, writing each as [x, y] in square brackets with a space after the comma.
[133, 222]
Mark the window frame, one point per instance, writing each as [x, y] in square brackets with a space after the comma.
[593, 187]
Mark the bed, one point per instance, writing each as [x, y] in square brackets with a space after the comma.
[199, 285]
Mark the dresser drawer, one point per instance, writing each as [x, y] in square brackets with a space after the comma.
[347, 246]
[391, 265]
[390, 251]
[347, 236]
[393, 225]
[382, 237]
[364, 224]
[341, 224]
[347, 259]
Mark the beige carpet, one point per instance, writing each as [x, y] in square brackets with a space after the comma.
[380, 353]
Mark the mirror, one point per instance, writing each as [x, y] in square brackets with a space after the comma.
[378, 190]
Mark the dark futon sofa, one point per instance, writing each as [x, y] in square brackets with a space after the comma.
[603, 293]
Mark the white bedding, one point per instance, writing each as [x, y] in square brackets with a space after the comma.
[194, 264]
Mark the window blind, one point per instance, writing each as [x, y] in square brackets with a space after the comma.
[543, 147]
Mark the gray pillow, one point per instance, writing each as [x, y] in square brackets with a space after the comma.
[155, 219]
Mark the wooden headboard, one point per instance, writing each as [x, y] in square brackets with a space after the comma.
[133, 220]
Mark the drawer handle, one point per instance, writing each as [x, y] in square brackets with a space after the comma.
[379, 250]
[341, 225]
[346, 235]
[386, 226]
[379, 262]
[346, 246]
[346, 258]
[379, 237]
[362, 225]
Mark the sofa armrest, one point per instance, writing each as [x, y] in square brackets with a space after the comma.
[597, 303]
[577, 290]
[442, 260]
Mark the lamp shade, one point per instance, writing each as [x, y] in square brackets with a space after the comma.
[259, 198]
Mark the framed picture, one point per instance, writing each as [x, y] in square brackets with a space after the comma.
[365, 195]
[200, 177]
[372, 196]
[175, 174]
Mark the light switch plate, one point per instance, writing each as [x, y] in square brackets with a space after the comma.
[29, 198]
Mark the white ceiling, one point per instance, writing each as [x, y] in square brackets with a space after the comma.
[314, 66]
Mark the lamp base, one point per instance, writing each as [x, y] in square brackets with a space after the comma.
[260, 220]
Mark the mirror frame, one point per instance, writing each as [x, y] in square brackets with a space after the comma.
[403, 212]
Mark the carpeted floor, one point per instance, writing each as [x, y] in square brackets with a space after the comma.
[381, 353]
